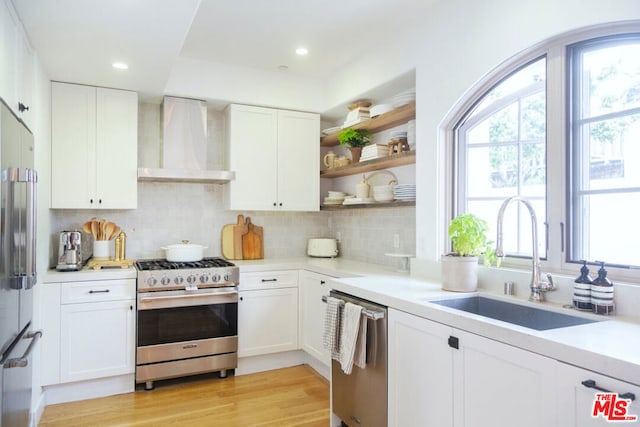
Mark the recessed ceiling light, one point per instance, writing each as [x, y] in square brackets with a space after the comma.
[120, 66]
[302, 51]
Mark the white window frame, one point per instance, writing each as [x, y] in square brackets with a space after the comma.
[557, 146]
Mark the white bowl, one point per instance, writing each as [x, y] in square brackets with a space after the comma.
[376, 110]
[383, 197]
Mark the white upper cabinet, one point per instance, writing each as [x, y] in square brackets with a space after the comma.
[94, 133]
[275, 156]
[16, 64]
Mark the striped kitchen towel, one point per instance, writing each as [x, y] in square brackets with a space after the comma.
[349, 335]
[331, 335]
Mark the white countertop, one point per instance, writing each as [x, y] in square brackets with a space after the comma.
[87, 274]
[610, 346]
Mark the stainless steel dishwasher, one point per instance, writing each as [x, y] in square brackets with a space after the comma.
[360, 399]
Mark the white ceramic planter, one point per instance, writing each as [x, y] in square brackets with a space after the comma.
[459, 274]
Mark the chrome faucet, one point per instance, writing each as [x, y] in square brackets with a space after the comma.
[538, 286]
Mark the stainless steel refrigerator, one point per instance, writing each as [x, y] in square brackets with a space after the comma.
[17, 268]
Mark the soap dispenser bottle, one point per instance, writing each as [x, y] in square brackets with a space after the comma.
[602, 293]
[582, 289]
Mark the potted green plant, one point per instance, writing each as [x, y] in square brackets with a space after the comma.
[468, 234]
[355, 139]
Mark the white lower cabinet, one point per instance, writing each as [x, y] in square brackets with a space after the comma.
[267, 313]
[576, 397]
[313, 287]
[420, 368]
[96, 340]
[440, 376]
[90, 330]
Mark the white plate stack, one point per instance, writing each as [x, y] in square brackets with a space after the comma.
[373, 151]
[335, 198]
[404, 192]
[403, 98]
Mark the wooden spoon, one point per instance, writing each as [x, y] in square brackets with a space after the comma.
[95, 229]
[101, 236]
[86, 227]
[109, 228]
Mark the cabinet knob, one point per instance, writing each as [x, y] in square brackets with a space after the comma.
[91, 201]
[274, 204]
[22, 108]
[241, 298]
[100, 201]
[322, 282]
[280, 203]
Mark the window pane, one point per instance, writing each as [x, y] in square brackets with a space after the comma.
[614, 153]
[533, 73]
[611, 77]
[614, 241]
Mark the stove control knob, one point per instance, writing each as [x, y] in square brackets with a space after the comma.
[151, 281]
[178, 280]
[227, 277]
[191, 279]
[215, 278]
[204, 278]
[165, 281]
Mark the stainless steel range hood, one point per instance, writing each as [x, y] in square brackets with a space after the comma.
[184, 145]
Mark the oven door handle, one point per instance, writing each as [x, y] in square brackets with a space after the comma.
[166, 301]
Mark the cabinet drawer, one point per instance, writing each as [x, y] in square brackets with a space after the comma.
[99, 290]
[269, 280]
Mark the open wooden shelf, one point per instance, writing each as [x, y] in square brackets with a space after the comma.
[379, 123]
[394, 204]
[401, 159]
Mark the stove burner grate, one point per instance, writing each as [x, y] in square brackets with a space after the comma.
[163, 264]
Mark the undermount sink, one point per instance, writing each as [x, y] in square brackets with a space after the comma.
[518, 314]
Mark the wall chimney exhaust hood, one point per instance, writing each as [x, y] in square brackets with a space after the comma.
[184, 145]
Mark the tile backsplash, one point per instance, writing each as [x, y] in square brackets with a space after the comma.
[170, 212]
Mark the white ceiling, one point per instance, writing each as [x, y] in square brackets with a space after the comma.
[77, 40]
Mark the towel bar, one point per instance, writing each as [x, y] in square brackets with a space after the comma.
[374, 315]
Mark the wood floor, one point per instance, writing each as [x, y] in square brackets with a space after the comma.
[296, 396]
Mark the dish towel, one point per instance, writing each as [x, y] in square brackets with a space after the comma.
[331, 335]
[361, 345]
[350, 325]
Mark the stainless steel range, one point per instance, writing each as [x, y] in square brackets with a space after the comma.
[187, 318]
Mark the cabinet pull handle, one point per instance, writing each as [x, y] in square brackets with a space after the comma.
[592, 384]
[269, 280]
[105, 291]
[453, 342]
[22, 108]
[322, 282]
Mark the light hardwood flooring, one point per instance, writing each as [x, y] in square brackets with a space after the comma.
[296, 396]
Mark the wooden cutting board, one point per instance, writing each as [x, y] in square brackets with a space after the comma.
[226, 244]
[231, 245]
[238, 231]
[252, 244]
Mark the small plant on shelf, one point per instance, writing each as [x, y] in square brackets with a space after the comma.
[354, 137]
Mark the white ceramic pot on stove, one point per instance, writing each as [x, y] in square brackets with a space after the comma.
[184, 252]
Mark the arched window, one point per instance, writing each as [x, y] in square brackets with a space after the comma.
[560, 126]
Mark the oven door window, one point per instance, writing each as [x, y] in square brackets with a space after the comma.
[168, 325]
